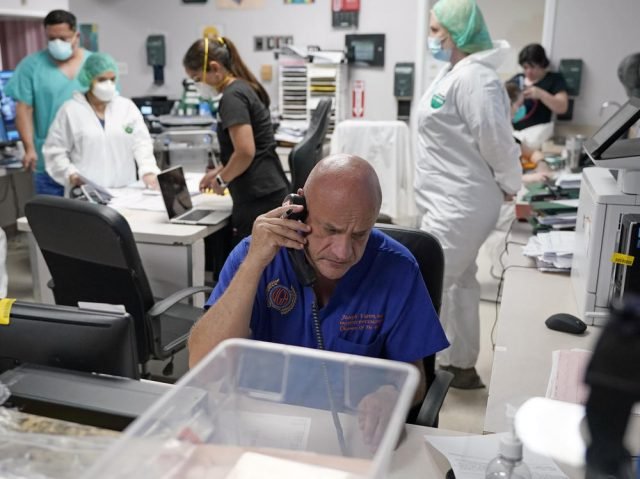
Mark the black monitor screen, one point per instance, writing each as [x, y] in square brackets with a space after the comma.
[364, 50]
[614, 127]
[175, 193]
[8, 131]
[69, 338]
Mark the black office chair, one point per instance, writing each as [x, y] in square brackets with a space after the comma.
[428, 253]
[308, 152]
[92, 256]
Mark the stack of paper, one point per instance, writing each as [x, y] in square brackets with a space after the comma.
[557, 214]
[291, 131]
[553, 251]
[569, 180]
[566, 380]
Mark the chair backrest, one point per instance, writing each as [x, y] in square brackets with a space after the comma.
[92, 256]
[427, 250]
[308, 152]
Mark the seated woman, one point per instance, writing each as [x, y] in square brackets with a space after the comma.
[545, 92]
[533, 165]
[99, 135]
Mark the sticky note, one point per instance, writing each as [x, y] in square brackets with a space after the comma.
[5, 310]
[620, 258]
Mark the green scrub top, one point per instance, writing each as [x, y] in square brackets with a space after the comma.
[39, 83]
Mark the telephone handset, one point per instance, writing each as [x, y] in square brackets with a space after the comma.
[304, 271]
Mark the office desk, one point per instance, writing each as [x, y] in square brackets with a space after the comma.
[414, 458]
[522, 357]
[172, 254]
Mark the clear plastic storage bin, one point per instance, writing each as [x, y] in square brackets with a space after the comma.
[255, 409]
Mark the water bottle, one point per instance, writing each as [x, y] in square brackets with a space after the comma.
[508, 464]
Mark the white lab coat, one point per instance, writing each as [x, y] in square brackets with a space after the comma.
[77, 143]
[467, 159]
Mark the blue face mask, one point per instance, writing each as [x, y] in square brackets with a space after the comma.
[439, 53]
[59, 49]
[519, 114]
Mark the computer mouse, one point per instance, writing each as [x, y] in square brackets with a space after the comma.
[566, 323]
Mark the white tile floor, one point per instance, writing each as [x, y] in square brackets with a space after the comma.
[462, 410]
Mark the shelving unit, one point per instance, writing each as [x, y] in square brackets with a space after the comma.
[292, 91]
[301, 85]
[327, 81]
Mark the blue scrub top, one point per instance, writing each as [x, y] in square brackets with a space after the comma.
[380, 307]
[39, 83]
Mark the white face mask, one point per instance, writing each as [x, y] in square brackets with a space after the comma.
[205, 90]
[104, 90]
[60, 50]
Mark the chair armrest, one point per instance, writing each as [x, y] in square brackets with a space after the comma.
[428, 415]
[164, 304]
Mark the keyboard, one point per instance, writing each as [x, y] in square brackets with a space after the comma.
[195, 215]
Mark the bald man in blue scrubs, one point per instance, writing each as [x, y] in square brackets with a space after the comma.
[369, 297]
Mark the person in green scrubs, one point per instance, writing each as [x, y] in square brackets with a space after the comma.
[42, 82]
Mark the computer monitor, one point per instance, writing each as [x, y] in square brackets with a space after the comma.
[153, 105]
[70, 338]
[8, 131]
[614, 128]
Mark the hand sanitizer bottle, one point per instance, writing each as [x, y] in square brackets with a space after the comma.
[508, 464]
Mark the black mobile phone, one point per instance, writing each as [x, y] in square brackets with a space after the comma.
[304, 271]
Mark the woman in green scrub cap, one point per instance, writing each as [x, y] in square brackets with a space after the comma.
[467, 164]
[99, 135]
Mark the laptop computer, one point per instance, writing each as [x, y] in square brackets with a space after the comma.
[177, 201]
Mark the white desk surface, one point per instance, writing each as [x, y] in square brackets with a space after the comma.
[522, 356]
[154, 226]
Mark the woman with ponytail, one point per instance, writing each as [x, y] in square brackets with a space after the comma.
[250, 167]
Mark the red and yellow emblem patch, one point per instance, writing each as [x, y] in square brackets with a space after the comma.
[280, 297]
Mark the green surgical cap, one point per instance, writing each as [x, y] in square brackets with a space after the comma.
[463, 19]
[96, 64]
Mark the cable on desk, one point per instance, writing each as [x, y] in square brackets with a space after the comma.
[504, 250]
[507, 242]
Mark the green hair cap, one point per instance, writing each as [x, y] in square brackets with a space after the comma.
[463, 19]
[96, 64]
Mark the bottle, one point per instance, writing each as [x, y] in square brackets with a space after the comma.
[508, 464]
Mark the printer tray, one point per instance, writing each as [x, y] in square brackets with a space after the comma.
[108, 402]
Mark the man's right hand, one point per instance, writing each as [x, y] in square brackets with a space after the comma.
[271, 232]
[29, 160]
[75, 180]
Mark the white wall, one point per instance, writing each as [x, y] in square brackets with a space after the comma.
[31, 8]
[517, 21]
[602, 33]
[123, 26]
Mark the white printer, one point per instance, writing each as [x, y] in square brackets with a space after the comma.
[608, 193]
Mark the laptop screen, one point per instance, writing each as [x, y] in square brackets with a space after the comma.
[174, 190]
